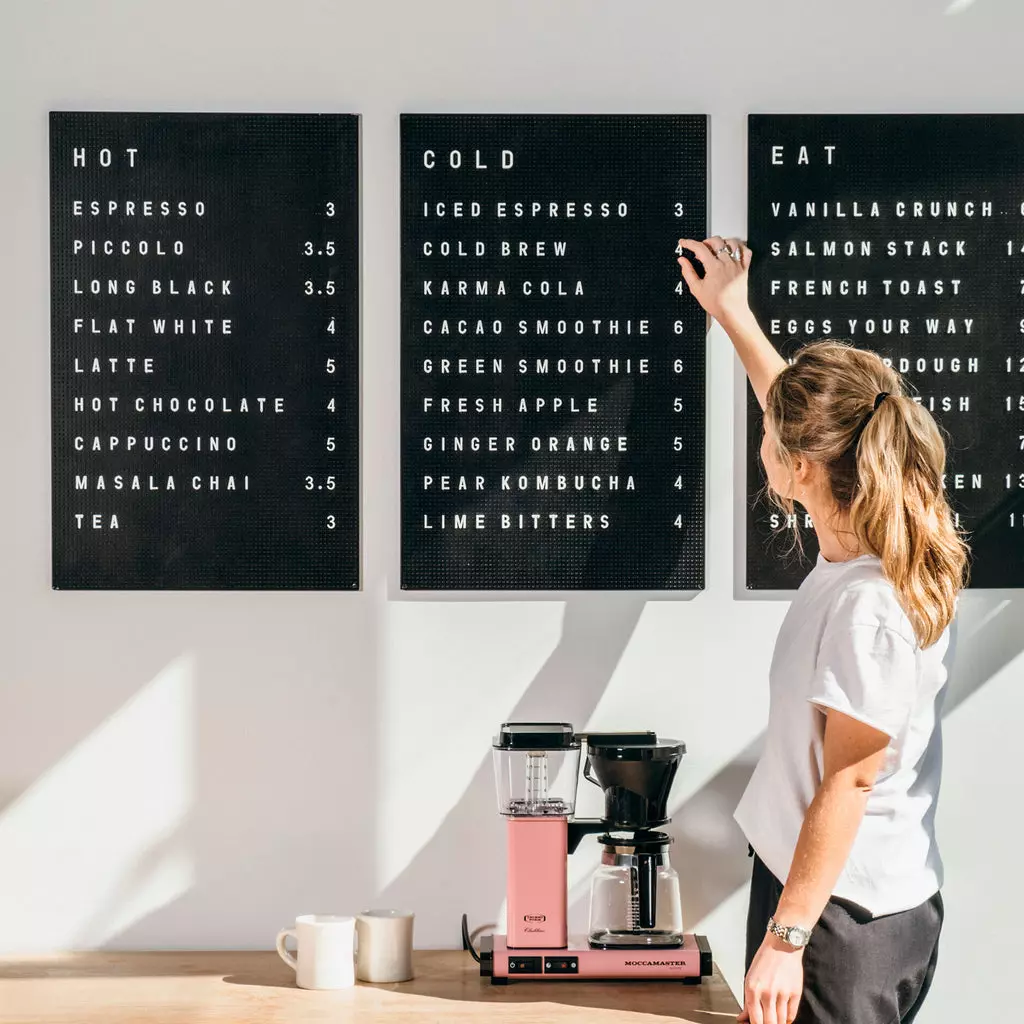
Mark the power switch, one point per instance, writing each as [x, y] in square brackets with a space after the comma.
[524, 965]
[561, 965]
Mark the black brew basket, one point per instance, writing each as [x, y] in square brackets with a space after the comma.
[636, 774]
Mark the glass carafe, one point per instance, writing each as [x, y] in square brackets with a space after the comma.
[634, 894]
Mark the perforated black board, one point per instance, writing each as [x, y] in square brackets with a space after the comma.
[205, 350]
[934, 205]
[540, 312]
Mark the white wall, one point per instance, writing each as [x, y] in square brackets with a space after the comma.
[192, 770]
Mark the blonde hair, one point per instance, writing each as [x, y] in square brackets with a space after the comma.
[885, 465]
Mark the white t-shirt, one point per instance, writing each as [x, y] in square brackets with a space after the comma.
[846, 644]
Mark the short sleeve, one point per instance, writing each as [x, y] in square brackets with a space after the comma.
[867, 669]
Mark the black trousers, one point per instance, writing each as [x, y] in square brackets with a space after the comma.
[857, 969]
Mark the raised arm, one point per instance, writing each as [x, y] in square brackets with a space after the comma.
[722, 291]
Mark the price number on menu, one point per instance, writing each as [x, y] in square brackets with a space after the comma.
[326, 287]
[326, 483]
[681, 288]
[319, 248]
[678, 406]
[320, 287]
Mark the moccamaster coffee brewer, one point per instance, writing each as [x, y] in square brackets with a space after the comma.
[636, 926]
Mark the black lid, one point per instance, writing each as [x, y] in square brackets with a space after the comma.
[637, 746]
[536, 736]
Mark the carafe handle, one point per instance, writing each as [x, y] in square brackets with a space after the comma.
[647, 889]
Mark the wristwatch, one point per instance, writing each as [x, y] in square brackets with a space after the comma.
[794, 935]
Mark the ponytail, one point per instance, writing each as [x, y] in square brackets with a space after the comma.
[899, 512]
[885, 458]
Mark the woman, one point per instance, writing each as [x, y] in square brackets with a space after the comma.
[842, 802]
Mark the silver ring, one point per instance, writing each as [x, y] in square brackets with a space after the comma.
[736, 254]
[725, 248]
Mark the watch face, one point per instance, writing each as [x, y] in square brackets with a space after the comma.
[798, 936]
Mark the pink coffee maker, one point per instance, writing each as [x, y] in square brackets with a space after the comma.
[635, 929]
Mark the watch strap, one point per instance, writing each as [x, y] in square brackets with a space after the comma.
[795, 935]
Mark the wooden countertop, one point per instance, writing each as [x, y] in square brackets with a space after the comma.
[258, 988]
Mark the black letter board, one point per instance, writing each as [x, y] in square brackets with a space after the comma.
[902, 234]
[205, 350]
[552, 367]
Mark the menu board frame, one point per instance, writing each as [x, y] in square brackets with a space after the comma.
[945, 314]
[274, 263]
[518, 561]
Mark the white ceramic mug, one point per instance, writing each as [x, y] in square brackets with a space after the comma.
[324, 950]
[384, 941]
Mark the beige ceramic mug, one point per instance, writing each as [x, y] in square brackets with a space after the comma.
[384, 946]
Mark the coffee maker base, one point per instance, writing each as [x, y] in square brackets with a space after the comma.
[579, 962]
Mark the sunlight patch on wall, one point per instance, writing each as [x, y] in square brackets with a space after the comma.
[93, 844]
[451, 674]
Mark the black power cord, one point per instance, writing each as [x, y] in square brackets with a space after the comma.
[467, 942]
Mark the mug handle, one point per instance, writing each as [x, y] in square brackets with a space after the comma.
[282, 951]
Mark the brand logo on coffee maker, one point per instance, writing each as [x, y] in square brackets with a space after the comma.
[654, 963]
[534, 918]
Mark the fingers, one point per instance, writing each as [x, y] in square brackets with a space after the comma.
[767, 1007]
[700, 250]
[752, 1006]
[782, 1009]
[721, 249]
[717, 249]
[689, 274]
[737, 245]
[792, 1005]
[743, 1016]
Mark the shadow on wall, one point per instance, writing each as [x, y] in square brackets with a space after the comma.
[596, 629]
[74, 710]
[162, 798]
[710, 851]
[259, 846]
[270, 829]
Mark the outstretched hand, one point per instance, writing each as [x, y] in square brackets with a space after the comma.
[722, 291]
